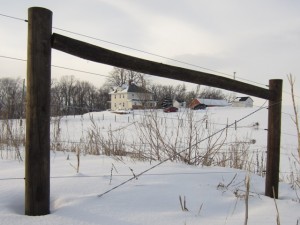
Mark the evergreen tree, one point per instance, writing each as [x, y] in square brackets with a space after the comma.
[167, 102]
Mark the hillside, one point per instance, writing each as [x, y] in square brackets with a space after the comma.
[212, 194]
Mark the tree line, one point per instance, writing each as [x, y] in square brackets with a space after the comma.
[70, 96]
[12, 98]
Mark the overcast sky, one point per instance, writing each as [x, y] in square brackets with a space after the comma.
[257, 39]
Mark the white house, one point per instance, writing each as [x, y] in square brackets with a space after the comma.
[242, 102]
[130, 97]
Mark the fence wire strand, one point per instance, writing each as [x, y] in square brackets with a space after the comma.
[149, 53]
[178, 153]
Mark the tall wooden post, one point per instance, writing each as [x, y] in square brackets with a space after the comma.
[37, 158]
[274, 131]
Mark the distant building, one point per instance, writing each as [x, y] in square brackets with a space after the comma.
[179, 103]
[130, 97]
[242, 102]
[200, 103]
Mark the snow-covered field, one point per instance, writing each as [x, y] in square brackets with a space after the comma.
[213, 195]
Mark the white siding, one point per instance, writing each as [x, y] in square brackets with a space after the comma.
[247, 103]
[213, 102]
[126, 100]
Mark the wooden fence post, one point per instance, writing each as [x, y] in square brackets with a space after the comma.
[274, 131]
[37, 166]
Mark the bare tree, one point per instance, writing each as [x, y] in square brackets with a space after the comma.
[67, 87]
[120, 76]
[159, 93]
[292, 80]
[70, 96]
[101, 98]
[180, 92]
[83, 96]
[211, 93]
[191, 95]
[230, 97]
[170, 92]
[56, 99]
[11, 98]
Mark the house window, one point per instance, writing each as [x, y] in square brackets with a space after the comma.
[123, 104]
[132, 95]
[115, 96]
[115, 104]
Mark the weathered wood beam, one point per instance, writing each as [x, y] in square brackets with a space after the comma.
[105, 56]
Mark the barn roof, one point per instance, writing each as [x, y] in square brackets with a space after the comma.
[213, 102]
[242, 99]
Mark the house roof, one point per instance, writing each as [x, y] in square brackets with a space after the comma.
[242, 99]
[130, 88]
[134, 88]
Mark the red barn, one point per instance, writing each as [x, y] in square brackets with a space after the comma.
[200, 103]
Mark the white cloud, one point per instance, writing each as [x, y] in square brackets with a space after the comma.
[173, 37]
[257, 39]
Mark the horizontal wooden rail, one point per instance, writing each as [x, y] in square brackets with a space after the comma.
[105, 56]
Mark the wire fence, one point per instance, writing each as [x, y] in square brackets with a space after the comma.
[97, 74]
[130, 119]
[138, 50]
[130, 175]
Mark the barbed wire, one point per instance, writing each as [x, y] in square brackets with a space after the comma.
[261, 149]
[149, 53]
[154, 54]
[168, 58]
[148, 174]
[12, 178]
[135, 176]
[178, 153]
[13, 58]
[56, 66]
[253, 126]
[96, 74]
[157, 55]
[81, 71]
[13, 17]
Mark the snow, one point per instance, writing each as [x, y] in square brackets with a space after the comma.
[214, 195]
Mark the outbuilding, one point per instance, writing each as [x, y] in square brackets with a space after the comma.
[242, 102]
[201, 103]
